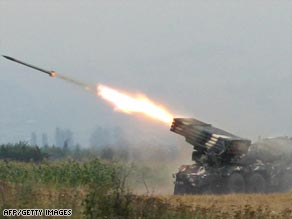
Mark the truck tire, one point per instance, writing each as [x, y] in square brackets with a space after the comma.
[236, 183]
[257, 183]
[214, 188]
[179, 189]
[286, 182]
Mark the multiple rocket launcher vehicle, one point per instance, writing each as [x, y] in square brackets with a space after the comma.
[225, 163]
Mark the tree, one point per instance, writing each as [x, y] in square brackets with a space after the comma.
[45, 140]
[100, 137]
[64, 138]
[33, 139]
[107, 153]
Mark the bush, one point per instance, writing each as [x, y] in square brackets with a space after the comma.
[63, 173]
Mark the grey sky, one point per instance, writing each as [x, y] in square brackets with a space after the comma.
[227, 63]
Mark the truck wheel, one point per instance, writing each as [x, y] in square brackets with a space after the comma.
[214, 188]
[236, 183]
[179, 189]
[257, 183]
[286, 182]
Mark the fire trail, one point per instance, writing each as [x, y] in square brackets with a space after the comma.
[121, 101]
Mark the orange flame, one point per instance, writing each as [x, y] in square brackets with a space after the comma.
[134, 104]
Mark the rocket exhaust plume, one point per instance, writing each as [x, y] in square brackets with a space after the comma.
[134, 104]
[120, 100]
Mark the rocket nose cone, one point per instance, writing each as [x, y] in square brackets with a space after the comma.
[8, 57]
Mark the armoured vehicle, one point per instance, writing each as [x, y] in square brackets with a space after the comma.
[226, 163]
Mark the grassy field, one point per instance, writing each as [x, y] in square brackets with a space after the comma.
[90, 204]
[97, 189]
[239, 205]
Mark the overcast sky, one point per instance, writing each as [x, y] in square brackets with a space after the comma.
[228, 63]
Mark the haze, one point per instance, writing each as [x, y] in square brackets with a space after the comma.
[227, 63]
